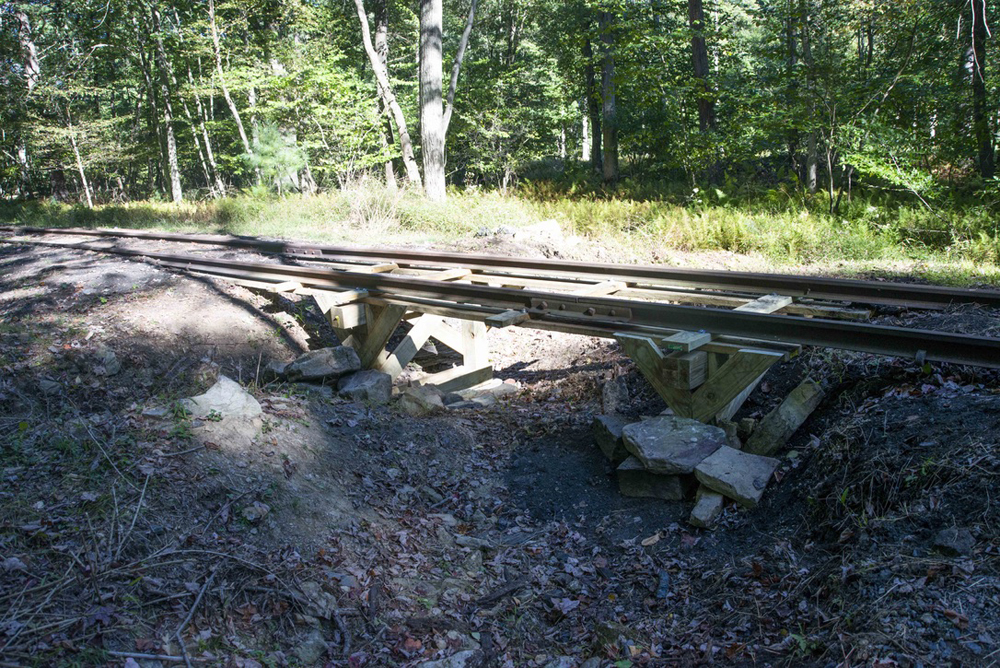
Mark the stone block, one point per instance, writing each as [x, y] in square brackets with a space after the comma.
[607, 431]
[672, 445]
[778, 426]
[635, 480]
[738, 475]
[707, 508]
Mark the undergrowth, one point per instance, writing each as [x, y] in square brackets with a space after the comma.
[783, 227]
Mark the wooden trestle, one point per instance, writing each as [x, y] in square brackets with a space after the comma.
[697, 374]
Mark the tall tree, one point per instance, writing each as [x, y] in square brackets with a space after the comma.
[699, 57]
[980, 106]
[431, 102]
[609, 123]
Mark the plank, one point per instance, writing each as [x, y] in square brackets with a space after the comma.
[733, 378]
[287, 286]
[648, 357]
[686, 341]
[407, 349]
[326, 299]
[382, 268]
[347, 316]
[381, 323]
[506, 319]
[765, 304]
[475, 351]
[458, 378]
[686, 371]
[598, 289]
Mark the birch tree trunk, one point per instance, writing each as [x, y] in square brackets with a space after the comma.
[79, 161]
[593, 106]
[222, 79]
[382, 48]
[388, 97]
[456, 67]
[176, 194]
[32, 72]
[431, 103]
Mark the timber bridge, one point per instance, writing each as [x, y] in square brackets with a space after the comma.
[703, 339]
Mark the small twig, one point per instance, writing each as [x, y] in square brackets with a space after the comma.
[183, 452]
[135, 516]
[187, 620]
[153, 657]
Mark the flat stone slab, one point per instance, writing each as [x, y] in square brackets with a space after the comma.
[635, 480]
[738, 475]
[368, 385]
[707, 508]
[229, 416]
[607, 431]
[421, 400]
[324, 363]
[672, 445]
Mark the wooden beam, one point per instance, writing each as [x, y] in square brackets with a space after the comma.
[407, 349]
[458, 378]
[327, 300]
[381, 323]
[598, 289]
[287, 286]
[766, 304]
[347, 316]
[686, 341]
[732, 380]
[475, 351]
[506, 319]
[685, 371]
[382, 268]
[650, 360]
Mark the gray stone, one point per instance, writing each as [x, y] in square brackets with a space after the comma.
[49, 386]
[672, 445]
[421, 400]
[463, 405]
[592, 662]
[493, 387]
[276, 368]
[732, 433]
[226, 399]
[452, 398]
[745, 427]
[561, 662]
[635, 480]
[607, 431]
[324, 363]
[738, 475]
[471, 541]
[311, 647]
[707, 508]
[107, 361]
[226, 415]
[614, 396]
[955, 542]
[778, 426]
[369, 385]
[156, 412]
[464, 659]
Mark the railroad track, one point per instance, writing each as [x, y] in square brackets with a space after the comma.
[702, 338]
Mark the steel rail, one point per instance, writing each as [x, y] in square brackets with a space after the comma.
[873, 292]
[861, 337]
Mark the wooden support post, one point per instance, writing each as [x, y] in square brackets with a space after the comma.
[694, 384]
[475, 351]
[458, 378]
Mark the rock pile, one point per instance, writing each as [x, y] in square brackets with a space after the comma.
[673, 458]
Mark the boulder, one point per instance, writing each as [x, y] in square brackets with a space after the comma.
[310, 647]
[369, 385]
[738, 475]
[635, 480]
[778, 426]
[421, 400]
[323, 364]
[614, 396]
[707, 508]
[107, 361]
[672, 445]
[954, 542]
[607, 431]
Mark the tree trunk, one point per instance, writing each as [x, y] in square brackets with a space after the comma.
[980, 112]
[382, 48]
[222, 79]
[457, 65]
[593, 105]
[699, 56]
[389, 98]
[431, 105]
[32, 72]
[79, 160]
[176, 194]
[812, 159]
[609, 125]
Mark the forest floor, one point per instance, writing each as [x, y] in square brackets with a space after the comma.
[353, 535]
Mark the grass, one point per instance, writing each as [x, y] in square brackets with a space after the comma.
[769, 229]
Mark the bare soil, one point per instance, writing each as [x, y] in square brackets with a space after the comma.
[352, 535]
